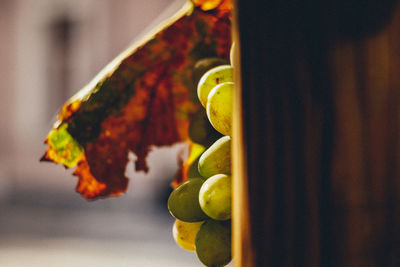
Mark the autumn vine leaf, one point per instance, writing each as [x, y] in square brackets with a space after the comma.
[141, 99]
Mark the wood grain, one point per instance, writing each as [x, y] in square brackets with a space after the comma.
[318, 132]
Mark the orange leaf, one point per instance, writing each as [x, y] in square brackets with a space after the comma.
[142, 99]
[219, 5]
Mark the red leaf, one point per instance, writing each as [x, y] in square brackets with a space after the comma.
[143, 99]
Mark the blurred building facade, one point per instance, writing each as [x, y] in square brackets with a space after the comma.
[50, 49]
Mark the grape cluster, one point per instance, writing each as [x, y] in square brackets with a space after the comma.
[202, 204]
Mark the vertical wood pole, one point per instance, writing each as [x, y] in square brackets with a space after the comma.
[242, 246]
[317, 133]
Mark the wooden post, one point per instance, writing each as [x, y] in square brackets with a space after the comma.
[317, 133]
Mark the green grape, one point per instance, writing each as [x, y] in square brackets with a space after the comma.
[212, 78]
[219, 107]
[205, 64]
[216, 159]
[215, 197]
[185, 233]
[213, 243]
[183, 203]
[193, 171]
[232, 54]
[200, 129]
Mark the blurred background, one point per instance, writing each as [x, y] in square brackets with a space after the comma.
[49, 49]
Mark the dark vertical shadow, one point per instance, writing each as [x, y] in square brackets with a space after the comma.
[289, 122]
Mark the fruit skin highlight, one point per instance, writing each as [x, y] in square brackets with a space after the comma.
[220, 107]
[205, 64]
[212, 78]
[185, 233]
[215, 197]
[213, 243]
[216, 159]
[183, 203]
